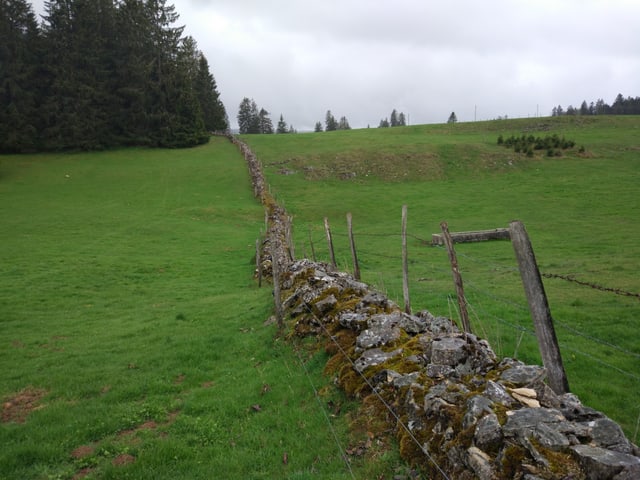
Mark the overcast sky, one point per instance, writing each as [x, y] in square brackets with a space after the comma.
[426, 58]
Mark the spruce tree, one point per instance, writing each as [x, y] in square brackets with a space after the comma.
[20, 91]
[282, 125]
[266, 125]
[330, 122]
[245, 116]
[393, 120]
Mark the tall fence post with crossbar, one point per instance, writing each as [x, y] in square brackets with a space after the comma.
[539, 307]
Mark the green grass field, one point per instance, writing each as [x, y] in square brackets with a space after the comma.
[131, 329]
[580, 210]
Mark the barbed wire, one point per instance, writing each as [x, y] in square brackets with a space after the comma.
[595, 286]
[496, 267]
[342, 451]
[377, 394]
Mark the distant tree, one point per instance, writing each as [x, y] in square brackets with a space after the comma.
[584, 108]
[384, 123]
[559, 110]
[292, 130]
[245, 115]
[318, 127]
[282, 125]
[214, 113]
[393, 119]
[330, 122]
[266, 125]
[571, 110]
[401, 120]
[601, 107]
[343, 124]
[452, 118]
[19, 85]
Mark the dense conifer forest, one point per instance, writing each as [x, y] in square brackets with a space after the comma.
[96, 74]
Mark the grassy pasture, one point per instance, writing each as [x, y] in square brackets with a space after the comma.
[580, 210]
[132, 332]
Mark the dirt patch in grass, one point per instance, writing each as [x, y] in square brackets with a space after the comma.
[123, 459]
[17, 407]
[83, 451]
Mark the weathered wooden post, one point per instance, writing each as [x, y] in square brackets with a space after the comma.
[275, 269]
[258, 262]
[352, 243]
[313, 250]
[405, 263]
[539, 307]
[330, 242]
[457, 278]
[289, 237]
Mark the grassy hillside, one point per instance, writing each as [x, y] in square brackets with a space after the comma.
[132, 342]
[580, 209]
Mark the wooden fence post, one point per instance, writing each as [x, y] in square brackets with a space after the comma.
[457, 278]
[330, 242]
[289, 237]
[258, 262]
[275, 268]
[539, 307]
[313, 250]
[352, 243]
[405, 263]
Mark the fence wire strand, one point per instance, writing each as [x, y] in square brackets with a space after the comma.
[342, 451]
[379, 397]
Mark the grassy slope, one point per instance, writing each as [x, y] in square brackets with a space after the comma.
[581, 212]
[126, 294]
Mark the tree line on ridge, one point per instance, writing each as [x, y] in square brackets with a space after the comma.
[97, 74]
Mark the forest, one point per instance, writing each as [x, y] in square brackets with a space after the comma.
[97, 74]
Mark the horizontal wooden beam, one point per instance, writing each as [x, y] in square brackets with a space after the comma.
[477, 236]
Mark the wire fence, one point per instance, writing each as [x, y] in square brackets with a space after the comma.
[594, 322]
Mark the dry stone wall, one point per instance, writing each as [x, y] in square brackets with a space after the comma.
[459, 412]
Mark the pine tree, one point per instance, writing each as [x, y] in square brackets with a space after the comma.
[213, 111]
[282, 125]
[266, 125]
[330, 122]
[318, 127]
[402, 122]
[452, 118]
[393, 120]
[384, 123]
[245, 116]
[20, 49]
[343, 124]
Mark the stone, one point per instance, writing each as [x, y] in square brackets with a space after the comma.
[385, 376]
[448, 351]
[412, 324]
[488, 434]
[437, 325]
[600, 463]
[477, 406]
[498, 393]
[523, 375]
[573, 409]
[353, 321]
[406, 380]
[439, 371]
[543, 424]
[480, 463]
[374, 356]
[607, 434]
[326, 304]
[377, 336]
[374, 299]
